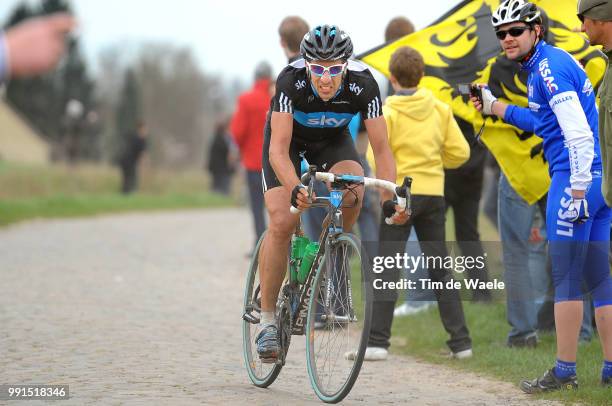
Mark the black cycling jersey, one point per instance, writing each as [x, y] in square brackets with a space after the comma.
[320, 129]
[315, 119]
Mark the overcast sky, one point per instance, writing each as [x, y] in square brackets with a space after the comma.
[229, 38]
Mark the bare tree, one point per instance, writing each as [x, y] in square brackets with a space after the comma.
[109, 78]
[177, 104]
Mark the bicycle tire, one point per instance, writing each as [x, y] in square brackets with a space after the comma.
[345, 242]
[261, 374]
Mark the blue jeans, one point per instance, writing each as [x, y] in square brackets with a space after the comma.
[369, 216]
[256, 203]
[524, 262]
[312, 219]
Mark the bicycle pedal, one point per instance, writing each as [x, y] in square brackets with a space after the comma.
[249, 318]
[273, 360]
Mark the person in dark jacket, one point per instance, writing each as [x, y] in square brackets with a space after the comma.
[220, 165]
[135, 146]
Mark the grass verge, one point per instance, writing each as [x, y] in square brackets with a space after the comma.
[12, 211]
[29, 191]
[422, 336]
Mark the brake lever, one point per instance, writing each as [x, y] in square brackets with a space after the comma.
[403, 197]
[307, 179]
[312, 172]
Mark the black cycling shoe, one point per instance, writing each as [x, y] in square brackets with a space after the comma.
[549, 382]
[267, 344]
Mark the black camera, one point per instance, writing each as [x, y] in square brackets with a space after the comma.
[469, 89]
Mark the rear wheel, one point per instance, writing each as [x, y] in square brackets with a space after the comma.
[261, 374]
[338, 322]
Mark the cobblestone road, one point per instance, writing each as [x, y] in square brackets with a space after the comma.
[145, 309]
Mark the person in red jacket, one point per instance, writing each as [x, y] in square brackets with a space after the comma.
[247, 128]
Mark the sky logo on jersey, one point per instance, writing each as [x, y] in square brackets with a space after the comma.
[322, 119]
[326, 122]
[535, 107]
[546, 75]
[355, 89]
[300, 84]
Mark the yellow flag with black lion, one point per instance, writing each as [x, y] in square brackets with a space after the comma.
[461, 47]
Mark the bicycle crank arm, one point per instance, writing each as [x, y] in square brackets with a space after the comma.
[339, 319]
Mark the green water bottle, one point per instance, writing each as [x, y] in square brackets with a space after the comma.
[309, 256]
[298, 248]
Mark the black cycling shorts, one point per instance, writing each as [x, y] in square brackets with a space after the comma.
[324, 154]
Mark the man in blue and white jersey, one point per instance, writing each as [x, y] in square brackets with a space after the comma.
[562, 111]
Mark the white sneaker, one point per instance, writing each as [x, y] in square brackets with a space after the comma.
[371, 354]
[407, 309]
[462, 354]
[375, 354]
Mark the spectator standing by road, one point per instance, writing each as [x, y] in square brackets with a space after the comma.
[424, 138]
[247, 128]
[418, 299]
[220, 162]
[562, 111]
[135, 146]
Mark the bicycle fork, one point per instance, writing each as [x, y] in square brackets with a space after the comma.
[335, 290]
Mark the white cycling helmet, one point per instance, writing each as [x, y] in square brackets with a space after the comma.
[511, 11]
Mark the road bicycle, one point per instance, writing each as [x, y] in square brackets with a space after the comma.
[327, 295]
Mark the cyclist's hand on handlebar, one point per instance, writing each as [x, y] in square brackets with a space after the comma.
[401, 216]
[299, 197]
[395, 213]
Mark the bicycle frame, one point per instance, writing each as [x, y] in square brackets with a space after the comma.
[333, 299]
[331, 226]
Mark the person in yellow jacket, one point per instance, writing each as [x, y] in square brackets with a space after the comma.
[424, 138]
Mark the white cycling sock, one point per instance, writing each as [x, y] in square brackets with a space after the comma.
[267, 318]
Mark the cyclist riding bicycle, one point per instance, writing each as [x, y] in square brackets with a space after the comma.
[316, 97]
[562, 111]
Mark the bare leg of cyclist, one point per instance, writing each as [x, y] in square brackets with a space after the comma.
[273, 263]
[349, 215]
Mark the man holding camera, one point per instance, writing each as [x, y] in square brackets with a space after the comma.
[562, 111]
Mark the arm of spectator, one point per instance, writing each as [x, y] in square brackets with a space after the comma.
[35, 45]
[520, 117]
[565, 103]
[455, 150]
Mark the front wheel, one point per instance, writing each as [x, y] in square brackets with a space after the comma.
[338, 322]
[261, 374]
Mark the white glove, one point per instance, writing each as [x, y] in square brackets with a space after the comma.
[487, 100]
[578, 211]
